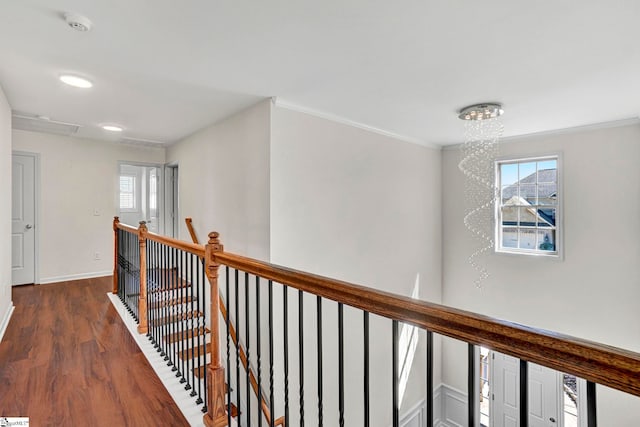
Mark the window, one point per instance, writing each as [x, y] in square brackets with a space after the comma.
[127, 192]
[528, 208]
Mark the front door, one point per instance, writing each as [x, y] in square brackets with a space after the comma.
[23, 209]
[544, 393]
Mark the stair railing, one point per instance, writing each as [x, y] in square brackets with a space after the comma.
[264, 406]
[596, 363]
[161, 281]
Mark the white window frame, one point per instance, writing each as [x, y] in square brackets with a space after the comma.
[134, 193]
[559, 241]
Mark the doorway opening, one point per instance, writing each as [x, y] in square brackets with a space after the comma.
[140, 196]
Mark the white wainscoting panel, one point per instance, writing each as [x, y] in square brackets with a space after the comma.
[454, 407]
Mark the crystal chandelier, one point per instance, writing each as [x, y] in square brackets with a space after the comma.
[483, 129]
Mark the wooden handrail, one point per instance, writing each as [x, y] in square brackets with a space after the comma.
[192, 232]
[169, 241]
[606, 365]
[234, 338]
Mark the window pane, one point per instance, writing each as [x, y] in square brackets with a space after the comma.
[528, 172]
[126, 183]
[527, 217]
[508, 174]
[548, 194]
[510, 194]
[510, 237]
[547, 171]
[547, 240]
[527, 238]
[509, 215]
[528, 193]
[547, 217]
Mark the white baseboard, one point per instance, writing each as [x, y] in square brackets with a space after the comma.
[185, 403]
[80, 276]
[5, 321]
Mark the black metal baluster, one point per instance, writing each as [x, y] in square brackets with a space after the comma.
[394, 369]
[258, 350]
[429, 379]
[237, 301]
[592, 418]
[301, 353]
[286, 354]
[191, 352]
[196, 322]
[340, 365]
[366, 367]
[165, 302]
[179, 313]
[319, 332]
[203, 338]
[271, 354]
[154, 295]
[524, 394]
[160, 305]
[174, 325]
[228, 345]
[248, 347]
[471, 381]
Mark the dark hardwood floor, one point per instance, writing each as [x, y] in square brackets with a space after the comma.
[68, 360]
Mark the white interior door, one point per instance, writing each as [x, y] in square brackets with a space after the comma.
[543, 388]
[23, 217]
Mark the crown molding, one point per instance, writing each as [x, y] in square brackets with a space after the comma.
[278, 102]
[562, 131]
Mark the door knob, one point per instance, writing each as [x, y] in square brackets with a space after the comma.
[28, 226]
[553, 420]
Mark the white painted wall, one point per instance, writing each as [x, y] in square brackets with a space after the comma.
[5, 211]
[224, 181]
[362, 207]
[77, 176]
[594, 292]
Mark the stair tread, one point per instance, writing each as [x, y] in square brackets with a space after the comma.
[176, 318]
[172, 301]
[201, 370]
[186, 335]
[195, 351]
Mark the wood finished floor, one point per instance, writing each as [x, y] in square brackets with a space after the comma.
[67, 359]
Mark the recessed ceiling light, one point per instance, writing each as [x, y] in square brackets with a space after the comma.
[112, 128]
[76, 81]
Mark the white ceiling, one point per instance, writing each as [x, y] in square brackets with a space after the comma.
[164, 69]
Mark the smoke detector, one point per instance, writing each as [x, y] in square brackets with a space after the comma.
[78, 22]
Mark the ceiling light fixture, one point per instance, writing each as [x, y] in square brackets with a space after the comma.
[76, 81]
[483, 129]
[112, 128]
[489, 110]
[78, 22]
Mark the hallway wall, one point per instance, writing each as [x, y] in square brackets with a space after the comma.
[5, 211]
[224, 181]
[77, 177]
[362, 207]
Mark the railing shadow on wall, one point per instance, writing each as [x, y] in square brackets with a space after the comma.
[274, 309]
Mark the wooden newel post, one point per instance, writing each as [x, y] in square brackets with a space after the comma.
[216, 415]
[116, 221]
[143, 327]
